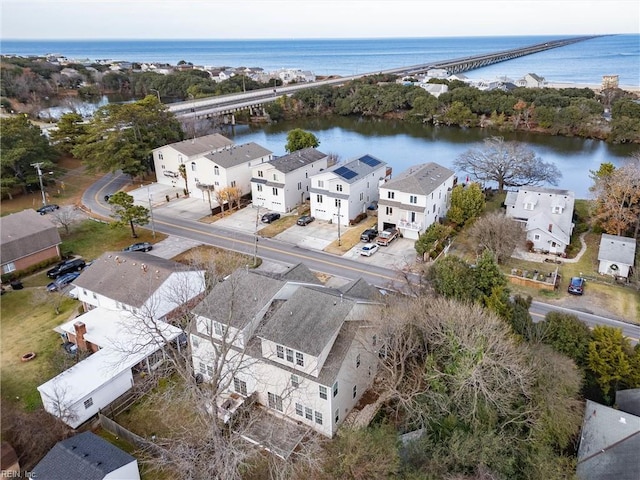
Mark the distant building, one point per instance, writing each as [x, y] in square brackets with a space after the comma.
[531, 80]
[610, 81]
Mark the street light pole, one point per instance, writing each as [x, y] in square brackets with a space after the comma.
[255, 244]
[153, 227]
[339, 241]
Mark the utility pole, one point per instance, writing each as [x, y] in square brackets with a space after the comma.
[255, 245]
[153, 227]
[339, 241]
[37, 167]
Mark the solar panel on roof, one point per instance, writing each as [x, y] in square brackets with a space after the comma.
[345, 173]
[369, 160]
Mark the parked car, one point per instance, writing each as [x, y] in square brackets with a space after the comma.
[52, 207]
[368, 235]
[73, 265]
[305, 220]
[368, 250]
[387, 236]
[270, 217]
[62, 281]
[107, 198]
[138, 247]
[576, 286]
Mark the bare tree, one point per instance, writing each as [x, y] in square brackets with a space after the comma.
[65, 217]
[509, 164]
[499, 234]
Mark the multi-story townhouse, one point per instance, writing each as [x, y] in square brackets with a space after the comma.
[415, 199]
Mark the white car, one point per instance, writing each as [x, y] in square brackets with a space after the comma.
[369, 249]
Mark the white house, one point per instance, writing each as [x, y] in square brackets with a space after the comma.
[211, 163]
[342, 192]
[531, 80]
[282, 184]
[87, 456]
[616, 255]
[304, 351]
[138, 282]
[415, 199]
[547, 214]
[435, 89]
[122, 344]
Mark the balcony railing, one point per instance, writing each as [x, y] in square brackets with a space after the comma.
[409, 225]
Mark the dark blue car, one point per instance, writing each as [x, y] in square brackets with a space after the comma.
[576, 286]
[62, 281]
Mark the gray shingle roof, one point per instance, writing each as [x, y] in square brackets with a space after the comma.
[359, 168]
[360, 289]
[307, 321]
[544, 199]
[84, 456]
[614, 248]
[420, 179]
[24, 233]
[201, 145]
[237, 154]
[293, 161]
[127, 277]
[629, 400]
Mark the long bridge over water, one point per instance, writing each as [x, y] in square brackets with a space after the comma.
[227, 104]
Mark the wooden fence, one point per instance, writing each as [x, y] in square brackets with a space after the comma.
[136, 440]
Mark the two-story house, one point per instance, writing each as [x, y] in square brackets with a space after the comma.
[304, 351]
[283, 183]
[415, 199]
[342, 192]
[210, 163]
[547, 214]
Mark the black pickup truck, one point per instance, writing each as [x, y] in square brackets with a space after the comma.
[369, 235]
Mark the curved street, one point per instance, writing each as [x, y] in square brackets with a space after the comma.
[167, 222]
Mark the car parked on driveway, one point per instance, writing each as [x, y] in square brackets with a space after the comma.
[52, 207]
[576, 286]
[138, 247]
[368, 235]
[305, 220]
[73, 265]
[368, 250]
[62, 281]
[270, 217]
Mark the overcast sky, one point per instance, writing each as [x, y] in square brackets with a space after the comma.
[251, 19]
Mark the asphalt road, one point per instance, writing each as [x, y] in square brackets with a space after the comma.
[93, 200]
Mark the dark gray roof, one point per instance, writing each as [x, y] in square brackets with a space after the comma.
[293, 161]
[360, 289]
[299, 273]
[420, 179]
[201, 145]
[127, 277]
[84, 456]
[307, 321]
[629, 400]
[357, 168]
[24, 233]
[609, 444]
[614, 248]
[237, 154]
[239, 298]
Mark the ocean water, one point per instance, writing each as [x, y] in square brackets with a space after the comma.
[581, 63]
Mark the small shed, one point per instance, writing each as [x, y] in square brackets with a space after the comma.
[616, 255]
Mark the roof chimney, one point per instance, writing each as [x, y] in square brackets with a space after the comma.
[80, 329]
[551, 227]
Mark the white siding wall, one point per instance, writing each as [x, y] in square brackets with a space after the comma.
[167, 159]
[129, 472]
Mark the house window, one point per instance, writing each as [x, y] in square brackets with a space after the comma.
[295, 381]
[557, 209]
[233, 183]
[216, 183]
[275, 176]
[335, 389]
[259, 187]
[219, 328]
[163, 167]
[289, 355]
[374, 340]
[528, 206]
[88, 403]
[280, 351]
[260, 173]
[434, 208]
[210, 370]
[299, 359]
[361, 196]
[319, 198]
[413, 199]
[275, 401]
[536, 237]
[216, 170]
[318, 417]
[202, 367]
[8, 267]
[338, 188]
[320, 183]
[412, 217]
[357, 360]
[308, 413]
[299, 409]
[338, 202]
[160, 157]
[337, 415]
[323, 392]
[391, 195]
[275, 192]
[389, 210]
[299, 185]
[193, 166]
[94, 295]
[239, 386]
[355, 391]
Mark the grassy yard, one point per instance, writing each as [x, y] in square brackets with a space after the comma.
[350, 237]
